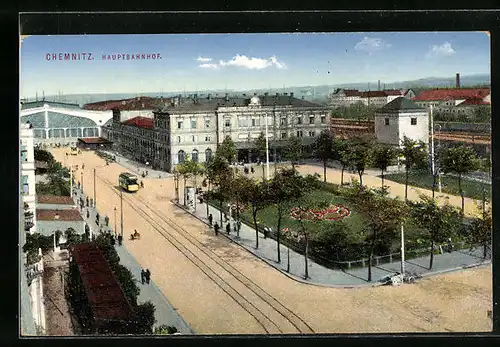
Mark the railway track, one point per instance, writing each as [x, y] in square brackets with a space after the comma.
[242, 289]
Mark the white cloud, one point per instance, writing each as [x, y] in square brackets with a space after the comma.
[209, 66]
[204, 60]
[247, 62]
[371, 44]
[441, 50]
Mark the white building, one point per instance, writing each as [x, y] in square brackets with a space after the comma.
[195, 126]
[28, 191]
[60, 123]
[345, 97]
[449, 100]
[376, 98]
[399, 118]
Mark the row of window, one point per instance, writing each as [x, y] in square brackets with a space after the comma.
[194, 139]
[245, 121]
[24, 153]
[65, 133]
[181, 155]
[413, 121]
[26, 187]
[300, 133]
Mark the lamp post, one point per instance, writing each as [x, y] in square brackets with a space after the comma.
[439, 148]
[267, 148]
[95, 196]
[81, 178]
[116, 233]
[121, 212]
[402, 249]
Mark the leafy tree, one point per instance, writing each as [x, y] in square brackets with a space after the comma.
[480, 229]
[293, 150]
[439, 221]
[415, 155]
[227, 149]
[185, 171]
[383, 216]
[165, 330]
[238, 194]
[459, 160]
[219, 174]
[323, 149]
[145, 317]
[43, 155]
[341, 151]
[177, 177]
[383, 157]
[258, 197]
[482, 114]
[286, 187]
[361, 156]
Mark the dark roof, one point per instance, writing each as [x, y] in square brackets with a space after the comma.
[40, 103]
[105, 295]
[93, 140]
[212, 104]
[400, 104]
[72, 215]
[141, 122]
[137, 103]
[55, 200]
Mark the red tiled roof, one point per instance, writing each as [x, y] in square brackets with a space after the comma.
[475, 101]
[138, 103]
[93, 140]
[141, 122]
[64, 215]
[105, 295]
[54, 199]
[351, 92]
[447, 94]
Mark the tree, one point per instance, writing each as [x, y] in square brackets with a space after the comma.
[260, 145]
[227, 150]
[323, 149]
[293, 150]
[479, 231]
[258, 197]
[341, 151]
[482, 114]
[219, 174]
[459, 160]
[43, 155]
[383, 215]
[185, 171]
[360, 156]
[177, 177]
[145, 318]
[286, 187]
[237, 194]
[415, 155]
[439, 221]
[383, 157]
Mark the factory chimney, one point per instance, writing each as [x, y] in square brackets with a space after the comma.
[458, 81]
[379, 85]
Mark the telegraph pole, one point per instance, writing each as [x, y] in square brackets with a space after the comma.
[95, 196]
[82, 179]
[267, 150]
[402, 249]
[121, 211]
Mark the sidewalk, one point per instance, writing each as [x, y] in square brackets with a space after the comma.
[165, 313]
[136, 167]
[320, 275]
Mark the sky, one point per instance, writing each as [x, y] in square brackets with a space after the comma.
[198, 62]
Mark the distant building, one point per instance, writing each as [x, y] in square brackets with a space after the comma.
[28, 191]
[195, 126]
[399, 118]
[50, 220]
[62, 124]
[376, 98]
[454, 101]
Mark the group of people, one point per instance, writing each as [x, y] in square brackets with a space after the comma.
[217, 227]
[145, 276]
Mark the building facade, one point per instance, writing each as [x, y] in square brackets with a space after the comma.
[454, 101]
[28, 191]
[193, 127]
[399, 118]
[376, 98]
[61, 124]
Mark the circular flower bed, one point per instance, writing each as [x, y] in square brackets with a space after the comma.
[332, 213]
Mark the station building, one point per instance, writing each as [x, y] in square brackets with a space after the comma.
[61, 124]
[195, 127]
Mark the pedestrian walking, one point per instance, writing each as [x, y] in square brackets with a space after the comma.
[88, 213]
[238, 223]
[142, 184]
[210, 219]
[120, 239]
[87, 200]
[143, 276]
[91, 202]
[252, 170]
[228, 228]
[106, 220]
[148, 276]
[216, 228]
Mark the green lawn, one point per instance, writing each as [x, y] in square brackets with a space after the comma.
[449, 184]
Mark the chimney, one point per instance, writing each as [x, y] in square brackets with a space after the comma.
[378, 84]
[458, 81]
[291, 94]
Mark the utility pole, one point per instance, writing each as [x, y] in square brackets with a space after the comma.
[95, 196]
[402, 249]
[432, 149]
[116, 231]
[82, 179]
[121, 211]
[267, 148]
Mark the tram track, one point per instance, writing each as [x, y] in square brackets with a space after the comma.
[241, 290]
